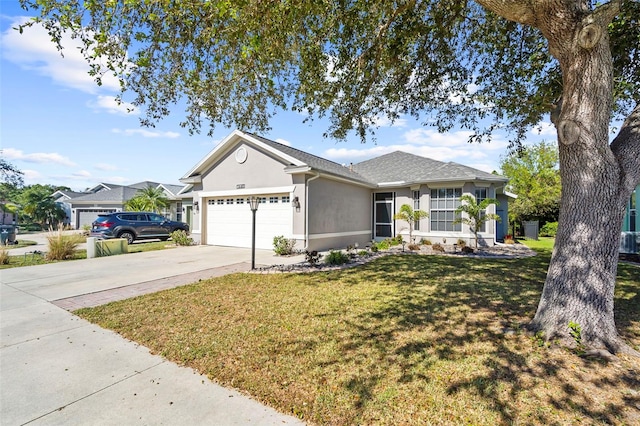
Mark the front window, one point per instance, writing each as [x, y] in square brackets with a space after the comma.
[444, 202]
[481, 195]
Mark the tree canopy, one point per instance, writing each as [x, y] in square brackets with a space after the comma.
[447, 62]
[534, 176]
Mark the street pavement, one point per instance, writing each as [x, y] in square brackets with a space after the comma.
[58, 369]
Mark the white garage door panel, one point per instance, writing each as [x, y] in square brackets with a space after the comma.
[230, 224]
[86, 217]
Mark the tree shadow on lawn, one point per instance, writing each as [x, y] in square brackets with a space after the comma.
[470, 312]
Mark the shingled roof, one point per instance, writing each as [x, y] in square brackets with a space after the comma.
[401, 166]
[314, 162]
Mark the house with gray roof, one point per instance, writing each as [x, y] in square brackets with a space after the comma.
[322, 204]
[82, 208]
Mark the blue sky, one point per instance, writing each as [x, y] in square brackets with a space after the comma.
[60, 128]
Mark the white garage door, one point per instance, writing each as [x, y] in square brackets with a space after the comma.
[86, 216]
[229, 220]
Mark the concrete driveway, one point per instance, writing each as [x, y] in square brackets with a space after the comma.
[56, 368]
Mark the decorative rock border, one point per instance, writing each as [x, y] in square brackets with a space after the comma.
[501, 251]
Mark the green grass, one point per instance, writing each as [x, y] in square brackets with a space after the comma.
[38, 259]
[401, 340]
[21, 243]
[542, 244]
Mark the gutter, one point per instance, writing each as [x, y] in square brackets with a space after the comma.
[306, 210]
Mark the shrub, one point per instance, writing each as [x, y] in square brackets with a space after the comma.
[283, 246]
[467, 250]
[397, 240]
[549, 229]
[374, 248]
[181, 238]
[425, 242]
[508, 239]
[336, 257]
[364, 253]
[312, 257]
[61, 246]
[413, 247]
[383, 245]
[437, 247]
[462, 243]
[4, 256]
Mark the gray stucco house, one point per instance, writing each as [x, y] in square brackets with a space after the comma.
[322, 204]
[82, 208]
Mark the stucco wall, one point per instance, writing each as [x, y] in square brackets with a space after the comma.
[339, 214]
[259, 170]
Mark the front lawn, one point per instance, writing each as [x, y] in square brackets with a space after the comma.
[402, 340]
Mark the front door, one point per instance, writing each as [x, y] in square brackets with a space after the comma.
[383, 215]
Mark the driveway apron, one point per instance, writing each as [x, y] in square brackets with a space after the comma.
[56, 368]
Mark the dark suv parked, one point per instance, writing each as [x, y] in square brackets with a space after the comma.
[135, 226]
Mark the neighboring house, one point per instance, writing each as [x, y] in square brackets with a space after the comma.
[322, 204]
[630, 241]
[82, 208]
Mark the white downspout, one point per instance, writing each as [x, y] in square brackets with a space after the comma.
[306, 210]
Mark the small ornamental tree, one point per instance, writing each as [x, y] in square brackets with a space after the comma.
[410, 216]
[476, 213]
[148, 199]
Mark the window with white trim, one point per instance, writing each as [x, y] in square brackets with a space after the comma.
[286, 199]
[416, 206]
[219, 201]
[239, 200]
[229, 200]
[273, 200]
[481, 195]
[444, 202]
[262, 200]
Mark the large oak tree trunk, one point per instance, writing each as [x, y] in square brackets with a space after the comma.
[597, 177]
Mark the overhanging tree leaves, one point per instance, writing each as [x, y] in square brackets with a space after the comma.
[507, 63]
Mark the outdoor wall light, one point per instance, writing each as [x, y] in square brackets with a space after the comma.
[196, 206]
[296, 203]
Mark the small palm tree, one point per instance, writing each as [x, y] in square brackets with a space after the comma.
[410, 216]
[148, 199]
[476, 213]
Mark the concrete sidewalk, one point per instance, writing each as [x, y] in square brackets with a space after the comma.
[56, 368]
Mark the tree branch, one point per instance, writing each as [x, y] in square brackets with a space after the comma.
[513, 10]
[626, 149]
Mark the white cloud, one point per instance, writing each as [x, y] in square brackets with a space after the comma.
[283, 142]
[33, 50]
[544, 128]
[36, 157]
[110, 105]
[105, 167]
[383, 121]
[32, 176]
[146, 133]
[81, 174]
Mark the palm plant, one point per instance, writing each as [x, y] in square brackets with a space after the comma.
[410, 216]
[148, 199]
[476, 213]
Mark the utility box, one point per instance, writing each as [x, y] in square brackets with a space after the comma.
[531, 229]
[111, 247]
